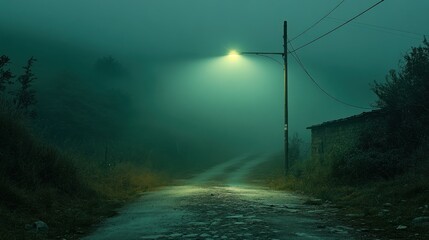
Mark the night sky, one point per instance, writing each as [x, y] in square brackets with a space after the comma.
[182, 81]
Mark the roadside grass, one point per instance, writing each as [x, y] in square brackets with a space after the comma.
[123, 181]
[375, 207]
[68, 192]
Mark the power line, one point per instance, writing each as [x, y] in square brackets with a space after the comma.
[380, 27]
[341, 25]
[312, 26]
[298, 60]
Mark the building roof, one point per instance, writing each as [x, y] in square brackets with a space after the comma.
[363, 115]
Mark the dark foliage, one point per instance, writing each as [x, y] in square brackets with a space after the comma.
[5, 74]
[389, 148]
[404, 97]
[373, 157]
[24, 97]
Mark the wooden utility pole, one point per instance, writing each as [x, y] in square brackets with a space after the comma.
[286, 114]
[286, 110]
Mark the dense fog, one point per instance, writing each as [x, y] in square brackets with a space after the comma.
[151, 78]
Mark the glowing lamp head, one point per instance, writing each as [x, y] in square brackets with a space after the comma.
[233, 55]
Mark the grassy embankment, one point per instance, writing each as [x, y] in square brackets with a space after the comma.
[375, 207]
[70, 194]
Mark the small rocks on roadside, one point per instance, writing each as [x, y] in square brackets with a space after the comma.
[340, 229]
[355, 215]
[38, 226]
[387, 205]
[401, 227]
[420, 222]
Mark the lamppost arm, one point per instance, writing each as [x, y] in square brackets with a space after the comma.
[261, 53]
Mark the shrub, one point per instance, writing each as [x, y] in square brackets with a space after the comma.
[403, 96]
[357, 166]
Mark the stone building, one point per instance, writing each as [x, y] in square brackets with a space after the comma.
[341, 133]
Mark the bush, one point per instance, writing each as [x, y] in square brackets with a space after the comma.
[373, 157]
[357, 166]
[403, 97]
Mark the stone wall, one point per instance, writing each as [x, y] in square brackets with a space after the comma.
[327, 138]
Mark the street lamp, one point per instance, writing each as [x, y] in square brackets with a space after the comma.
[234, 53]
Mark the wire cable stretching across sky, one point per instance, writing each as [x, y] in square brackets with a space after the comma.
[336, 28]
[371, 26]
[312, 26]
[298, 60]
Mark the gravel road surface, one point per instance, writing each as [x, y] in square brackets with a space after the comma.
[218, 204]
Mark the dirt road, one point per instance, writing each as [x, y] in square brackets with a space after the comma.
[217, 204]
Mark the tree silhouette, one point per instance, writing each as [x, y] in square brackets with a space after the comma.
[25, 96]
[109, 66]
[5, 74]
[407, 89]
[404, 97]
